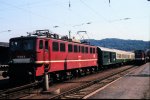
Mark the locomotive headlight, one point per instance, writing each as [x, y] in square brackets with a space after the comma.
[30, 73]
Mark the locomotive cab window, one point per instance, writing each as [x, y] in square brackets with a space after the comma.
[22, 44]
[55, 46]
[62, 47]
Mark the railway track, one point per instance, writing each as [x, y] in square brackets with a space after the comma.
[18, 92]
[83, 90]
[75, 93]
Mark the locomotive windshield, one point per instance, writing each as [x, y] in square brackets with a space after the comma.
[22, 44]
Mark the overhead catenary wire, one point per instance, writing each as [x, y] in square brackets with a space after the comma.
[29, 11]
[98, 14]
[94, 11]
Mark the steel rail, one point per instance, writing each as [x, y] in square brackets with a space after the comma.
[7, 94]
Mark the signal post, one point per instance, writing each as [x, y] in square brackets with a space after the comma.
[46, 78]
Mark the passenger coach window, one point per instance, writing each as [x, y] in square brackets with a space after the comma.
[69, 47]
[55, 46]
[75, 48]
[62, 47]
[41, 44]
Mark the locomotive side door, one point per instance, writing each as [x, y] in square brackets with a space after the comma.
[46, 55]
[40, 52]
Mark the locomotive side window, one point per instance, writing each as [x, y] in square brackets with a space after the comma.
[69, 47]
[41, 44]
[86, 49]
[79, 49]
[91, 50]
[75, 48]
[46, 45]
[55, 46]
[82, 49]
[62, 47]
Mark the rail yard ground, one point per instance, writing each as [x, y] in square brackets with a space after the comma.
[135, 85]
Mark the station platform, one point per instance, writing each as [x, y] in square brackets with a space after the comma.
[135, 85]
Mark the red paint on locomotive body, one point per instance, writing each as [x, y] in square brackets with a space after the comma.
[61, 55]
[32, 56]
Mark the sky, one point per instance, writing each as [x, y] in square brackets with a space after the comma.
[123, 19]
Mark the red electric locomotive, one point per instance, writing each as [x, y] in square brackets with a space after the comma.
[32, 56]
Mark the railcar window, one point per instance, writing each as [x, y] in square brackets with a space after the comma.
[46, 45]
[22, 45]
[55, 46]
[123, 56]
[82, 49]
[75, 48]
[69, 47]
[79, 49]
[41, 44]
[62, 47]
[91, 50]
[113, 56]
[118, 55]
[86, 49]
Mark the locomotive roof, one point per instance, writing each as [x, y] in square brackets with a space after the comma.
[40, 37]
[23, 37]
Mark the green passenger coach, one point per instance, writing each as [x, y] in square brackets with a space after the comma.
[108, 56]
